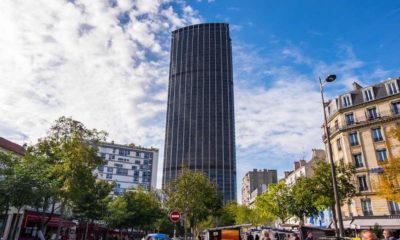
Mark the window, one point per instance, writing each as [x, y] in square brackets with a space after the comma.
[366, 206]
[123, 152]
[101, 168]
[339, 144]
[336, 124]
[137, 161]
[349, 118]
[372, 113]
[146, 155]
[122, 171]
[136, 173]
[358, 161]
[110, 169]
[118, 165]
[103, 155]
[396, 107]
[109, 176]
[377, 134]
[134, 167]
[362, 183]
[353, 139]
[346, 100]
[137, 154]
[381, 154]
[394, 207]
[368, 94]
[136, 179]
[392, 87]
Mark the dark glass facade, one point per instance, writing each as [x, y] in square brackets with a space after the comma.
[200, 127]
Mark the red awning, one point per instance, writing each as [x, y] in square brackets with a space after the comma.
[54, 221]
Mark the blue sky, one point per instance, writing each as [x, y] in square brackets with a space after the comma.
[106, 63]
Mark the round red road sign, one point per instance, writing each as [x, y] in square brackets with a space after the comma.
[175, 216]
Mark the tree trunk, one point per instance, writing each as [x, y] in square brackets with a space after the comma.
[62, 209]
[86, 230]
[334, 218]
[3, 227]
[15, 225]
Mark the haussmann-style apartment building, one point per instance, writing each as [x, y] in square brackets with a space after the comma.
[359, 122]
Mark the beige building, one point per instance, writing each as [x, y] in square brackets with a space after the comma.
[254, 182]
[303, 168]
[359, 122]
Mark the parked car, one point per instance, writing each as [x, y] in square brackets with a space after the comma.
[156, 236]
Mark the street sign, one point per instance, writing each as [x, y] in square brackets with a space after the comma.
[175, 216]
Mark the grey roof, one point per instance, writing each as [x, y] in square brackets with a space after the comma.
[379, 90]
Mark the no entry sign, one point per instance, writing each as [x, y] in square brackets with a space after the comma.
[175, 216]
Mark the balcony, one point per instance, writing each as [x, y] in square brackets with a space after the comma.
[362, 121]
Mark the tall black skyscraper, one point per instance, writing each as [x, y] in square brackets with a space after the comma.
[200, 131]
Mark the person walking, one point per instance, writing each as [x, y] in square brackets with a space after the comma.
[309, 236]
[265, 235]
[249, 236]
[368, 235]
[388, 235]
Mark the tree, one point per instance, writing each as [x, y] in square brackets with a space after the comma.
[71, 149]
[322, 185]
[135, 210]
[143, 209]
[194, 195]
[275, 202]
[389, 179]
[303, 199]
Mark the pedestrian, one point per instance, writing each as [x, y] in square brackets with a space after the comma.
[265, 235]
[257, 237]
[250, 236]
[368, 235]
[309, 236]
[296, 236]
[388, 235]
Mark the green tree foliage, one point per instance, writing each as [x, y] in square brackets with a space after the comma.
[135, 209]
[194, 195]
[275, 203]
[322, 182]
[7, 164]
[302, 199]
[93, 204]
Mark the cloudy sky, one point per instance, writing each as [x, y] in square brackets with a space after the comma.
[105, 63]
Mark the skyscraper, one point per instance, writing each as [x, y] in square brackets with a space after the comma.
[200, 130]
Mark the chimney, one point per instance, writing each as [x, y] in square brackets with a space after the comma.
[287, 173]
[356, 86]
[302, 163]
[296, 165]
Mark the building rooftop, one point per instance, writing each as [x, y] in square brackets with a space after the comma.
[129, 146]
[379, 91]
[11, 146]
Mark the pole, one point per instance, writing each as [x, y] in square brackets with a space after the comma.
[333, 170]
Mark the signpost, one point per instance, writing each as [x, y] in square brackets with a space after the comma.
[175, 217]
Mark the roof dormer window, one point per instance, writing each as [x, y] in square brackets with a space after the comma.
[392, 87]
[368, 94]
[346, 99]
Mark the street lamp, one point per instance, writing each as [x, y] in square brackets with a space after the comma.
[339, 218]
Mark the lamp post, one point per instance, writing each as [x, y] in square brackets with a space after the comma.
[339, 218]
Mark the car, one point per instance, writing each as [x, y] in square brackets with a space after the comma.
[156, 236]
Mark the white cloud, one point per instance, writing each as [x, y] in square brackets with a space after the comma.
[104, 63]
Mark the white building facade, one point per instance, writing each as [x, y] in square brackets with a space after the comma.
[128, 166]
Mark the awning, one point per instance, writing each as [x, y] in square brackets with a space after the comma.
[54, 221]
[367, 223]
